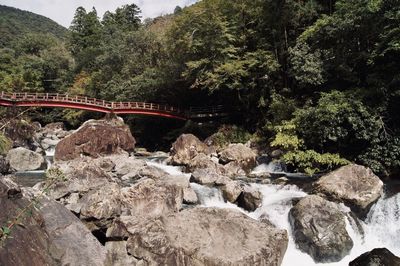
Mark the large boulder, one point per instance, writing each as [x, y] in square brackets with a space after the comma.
[355, 185]
[319, 229]
[81, 176]
[95, 138]
[239, 153]
[151, 198]
[22, 159]
[376, 257]
[71, 241]
[205, 236]
[185, 148]
[47, 235]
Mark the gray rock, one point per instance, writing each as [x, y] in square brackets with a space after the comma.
[101, 204]
[185, 148]
[189, 196]
[319, 229]
[244, 156]
[233, 169]
[376, 257]
[208, 177]
[118, 255]
[22, 159]
[151, 198]
[232, 191]
[250, 199]
[355, 185]
[205, 236]
[71, 242]
[48, 234]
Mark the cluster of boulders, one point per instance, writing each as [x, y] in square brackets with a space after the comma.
[31, 155]
[222, 169]
[141, 215]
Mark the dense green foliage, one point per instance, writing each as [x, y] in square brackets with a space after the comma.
[5, 144]
[329, 69]
[15, 24]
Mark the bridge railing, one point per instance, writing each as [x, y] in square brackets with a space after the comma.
[56, 97]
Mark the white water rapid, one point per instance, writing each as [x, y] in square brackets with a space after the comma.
[381, 228]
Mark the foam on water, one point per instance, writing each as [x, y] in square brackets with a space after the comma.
[172, 170]
[381, 228]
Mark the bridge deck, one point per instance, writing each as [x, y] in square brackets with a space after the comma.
[93, 104]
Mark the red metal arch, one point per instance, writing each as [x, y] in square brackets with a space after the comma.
[89, 104]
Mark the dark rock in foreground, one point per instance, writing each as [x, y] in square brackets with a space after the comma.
[376, 257]
[319, 229]
[95, 138]
[50, 235]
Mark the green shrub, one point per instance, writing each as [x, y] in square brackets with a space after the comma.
[383, 157]
[338, 123]
[230, 134]
[5, 144]
[296, 155]
[312, 162]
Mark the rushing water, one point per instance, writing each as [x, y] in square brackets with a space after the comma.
[381, 228]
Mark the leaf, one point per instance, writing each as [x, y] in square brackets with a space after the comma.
[6, 230]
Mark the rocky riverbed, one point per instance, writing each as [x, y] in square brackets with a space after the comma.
[197, 205]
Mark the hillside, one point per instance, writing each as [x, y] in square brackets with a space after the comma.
[14, 23]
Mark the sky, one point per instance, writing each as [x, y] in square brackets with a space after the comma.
[62, 11]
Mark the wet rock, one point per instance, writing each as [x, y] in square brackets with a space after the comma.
[205, 236]
[250, 199]
[203, 161]
[319, 229]
[22, 159]
[244, 156]
[189, 196]
[233, 169]
[185, 148]
[231, 191]
[355, 185]
[95, 138]
[208, 177]
[376, 257]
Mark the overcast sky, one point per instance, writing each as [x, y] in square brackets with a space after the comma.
[62, 11]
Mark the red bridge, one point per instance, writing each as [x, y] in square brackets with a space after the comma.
[96, 105]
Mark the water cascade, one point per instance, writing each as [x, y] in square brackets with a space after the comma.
[380, 229]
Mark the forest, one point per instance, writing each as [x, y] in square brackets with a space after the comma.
[318, 80]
